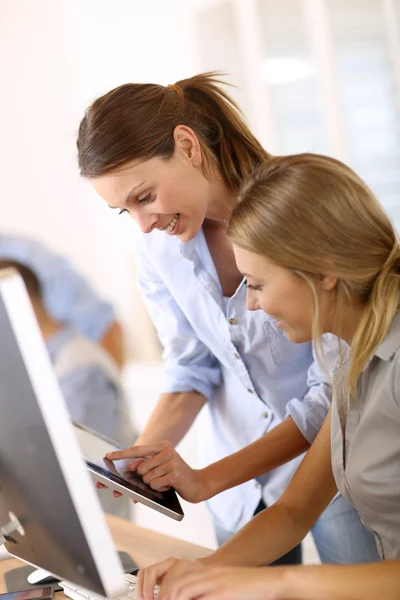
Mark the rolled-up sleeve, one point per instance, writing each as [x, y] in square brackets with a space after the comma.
[68, 297]
[189, 365]
[309, 412]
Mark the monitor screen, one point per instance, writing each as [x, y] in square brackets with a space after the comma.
[44, 482]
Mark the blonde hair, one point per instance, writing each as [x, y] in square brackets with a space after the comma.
[312, 214]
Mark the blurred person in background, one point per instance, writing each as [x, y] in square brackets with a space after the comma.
[174, 159]
[67, 296]
[338, 272]
[88, 374]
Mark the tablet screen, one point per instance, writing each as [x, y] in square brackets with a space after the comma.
[134, 482]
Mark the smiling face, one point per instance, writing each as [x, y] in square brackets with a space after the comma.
[284, 295]
[171, 195]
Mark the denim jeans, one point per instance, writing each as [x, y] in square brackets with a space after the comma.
[339, 535]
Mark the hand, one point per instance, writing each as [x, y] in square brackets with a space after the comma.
[101, 486]
[221, 583]
[163, 468]
[110, 466]
[165, 574]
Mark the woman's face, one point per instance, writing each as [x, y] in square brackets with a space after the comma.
[283, 295]
[170, 195]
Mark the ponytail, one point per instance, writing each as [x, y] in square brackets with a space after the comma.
[380, 309]
[218, 121]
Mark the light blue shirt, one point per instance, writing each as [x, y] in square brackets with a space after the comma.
[90, 394]
[67, 295]
[251, 375]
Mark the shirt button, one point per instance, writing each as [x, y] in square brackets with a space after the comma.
[236, 355]
[266, 415]
[250, 391]
[233, 321]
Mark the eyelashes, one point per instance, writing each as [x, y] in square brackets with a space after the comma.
[254, 288]
[145, 199]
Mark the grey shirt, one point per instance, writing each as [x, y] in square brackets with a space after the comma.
[365, 439]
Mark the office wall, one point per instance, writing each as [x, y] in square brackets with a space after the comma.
[56, 56]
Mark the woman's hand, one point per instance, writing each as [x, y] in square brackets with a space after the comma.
[165, 574]
[162, 467]
[186, 580]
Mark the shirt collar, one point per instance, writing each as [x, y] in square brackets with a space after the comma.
[391, 342]
[188, 249]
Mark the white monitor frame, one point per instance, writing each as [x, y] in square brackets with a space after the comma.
[63, 440]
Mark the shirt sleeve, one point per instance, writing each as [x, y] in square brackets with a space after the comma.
[67, 296]
[309, 412]
[92, 399]
[189, 365]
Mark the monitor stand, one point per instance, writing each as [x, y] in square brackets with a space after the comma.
[16, 579]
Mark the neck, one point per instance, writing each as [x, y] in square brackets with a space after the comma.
[222, 201]
[349, 322]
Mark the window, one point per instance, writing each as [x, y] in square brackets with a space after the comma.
[325, 75]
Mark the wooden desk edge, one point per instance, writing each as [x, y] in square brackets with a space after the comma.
[143, 545]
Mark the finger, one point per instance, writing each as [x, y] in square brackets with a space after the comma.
[136, 451]
[196, 584]
[180, 568]
[207, 594]
[156, 460]
[157, 473]
[133, 465]
[162, 484]
[139, 584]
[116, 494]
[100, 486]
[153, 575]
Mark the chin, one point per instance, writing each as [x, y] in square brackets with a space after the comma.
[188, 234]
[296, 336]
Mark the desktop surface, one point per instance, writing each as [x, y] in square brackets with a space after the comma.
[144, 546]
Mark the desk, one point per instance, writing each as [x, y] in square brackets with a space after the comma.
[144, 546]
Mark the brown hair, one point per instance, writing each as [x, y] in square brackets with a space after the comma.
[312, 214]
[29, 278]
[136, 121]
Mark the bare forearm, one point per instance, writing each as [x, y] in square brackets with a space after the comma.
[275, 448]
[113, 342]
[280, 527]
[349, 582]
[267, 537]
[172, 418]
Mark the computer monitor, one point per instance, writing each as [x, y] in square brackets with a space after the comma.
[44, 483]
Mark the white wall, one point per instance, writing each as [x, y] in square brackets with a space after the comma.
[56, 56]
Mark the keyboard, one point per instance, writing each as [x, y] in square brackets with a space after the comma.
[77, 593]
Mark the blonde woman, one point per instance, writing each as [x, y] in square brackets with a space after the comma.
[319, 255]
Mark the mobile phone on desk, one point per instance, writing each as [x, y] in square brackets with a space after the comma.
[42, 593]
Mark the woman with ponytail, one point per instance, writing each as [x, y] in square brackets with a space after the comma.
[174, 159]
[321, 256]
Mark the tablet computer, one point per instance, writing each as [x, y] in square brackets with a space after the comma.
[116, 475]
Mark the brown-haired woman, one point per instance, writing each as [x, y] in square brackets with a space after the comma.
[174, 158]
[338, 272]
